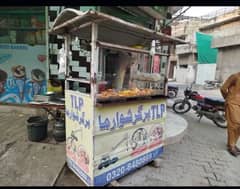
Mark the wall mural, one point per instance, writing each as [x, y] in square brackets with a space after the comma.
[22, 72]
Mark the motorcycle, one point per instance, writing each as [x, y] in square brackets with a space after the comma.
[212, 84]
[172, 91]
[182, 106]
[211, 108]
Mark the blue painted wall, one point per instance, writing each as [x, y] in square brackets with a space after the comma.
[25, 67]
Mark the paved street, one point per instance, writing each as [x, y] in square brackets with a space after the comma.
[200, 159]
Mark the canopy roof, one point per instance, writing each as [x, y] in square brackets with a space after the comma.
[111, 29]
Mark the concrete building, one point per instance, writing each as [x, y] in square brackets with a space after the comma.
[228, 55]
[224, 26]
[186, 55]
[226, 38]
[187, 63]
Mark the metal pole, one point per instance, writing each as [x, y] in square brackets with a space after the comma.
[94, 61]
[67, 50]
[47, 43]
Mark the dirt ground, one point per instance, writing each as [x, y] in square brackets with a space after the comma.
[25, 163]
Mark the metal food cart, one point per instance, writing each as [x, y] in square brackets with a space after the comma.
[115, 104]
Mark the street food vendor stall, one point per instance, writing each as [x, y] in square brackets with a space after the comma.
[115, 103]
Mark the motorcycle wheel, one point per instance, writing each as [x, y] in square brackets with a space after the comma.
[172, 94]
[221, 121]
[181, 107]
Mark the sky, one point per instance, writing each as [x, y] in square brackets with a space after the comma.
[197, 11]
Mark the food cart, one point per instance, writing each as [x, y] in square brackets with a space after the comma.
[115, 103]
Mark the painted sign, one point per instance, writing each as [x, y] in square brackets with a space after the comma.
[104, 144]
[24, 70]
[79, 127]
[127, 137]
[126, 167]
[126, 115]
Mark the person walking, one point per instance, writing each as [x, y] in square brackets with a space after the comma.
[230, 91]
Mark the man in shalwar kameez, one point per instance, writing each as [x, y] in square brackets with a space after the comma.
[231, 93]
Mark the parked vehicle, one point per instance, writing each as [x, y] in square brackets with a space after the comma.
[214, 84]
[172, 91]
[211, 108]
[182, 106]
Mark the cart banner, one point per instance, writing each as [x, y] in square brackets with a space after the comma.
[78, 171]
[79, 129]
[127, 167]
[134, 131]
[126, 115]
[116, 148]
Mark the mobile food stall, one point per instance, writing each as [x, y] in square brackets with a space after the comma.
[115, 104]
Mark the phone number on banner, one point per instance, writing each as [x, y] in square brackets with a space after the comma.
[126, 168]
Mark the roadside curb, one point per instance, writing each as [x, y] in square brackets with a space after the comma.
[176, 128]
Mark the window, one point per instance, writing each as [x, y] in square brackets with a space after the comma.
[183, 66]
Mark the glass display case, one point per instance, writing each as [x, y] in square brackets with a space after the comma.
[124, 75]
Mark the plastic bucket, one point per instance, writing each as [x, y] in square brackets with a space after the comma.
[37, 128]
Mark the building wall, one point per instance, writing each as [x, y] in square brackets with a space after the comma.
[184, 59]
[186, 69]
[205, 72]
[224, 30]
[181, 74]
[228, 62]
[189, 59]
[186, 54]
[223, 15]
[187, 28]
[228, 54]
[23, 61]
[229, 14]
[185, 74]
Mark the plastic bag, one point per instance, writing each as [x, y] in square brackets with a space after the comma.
[61, 59]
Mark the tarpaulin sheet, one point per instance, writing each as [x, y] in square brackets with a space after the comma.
[206, 54]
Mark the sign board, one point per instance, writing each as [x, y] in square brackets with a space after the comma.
[106, 143]
[126, 137]
[79, 134]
